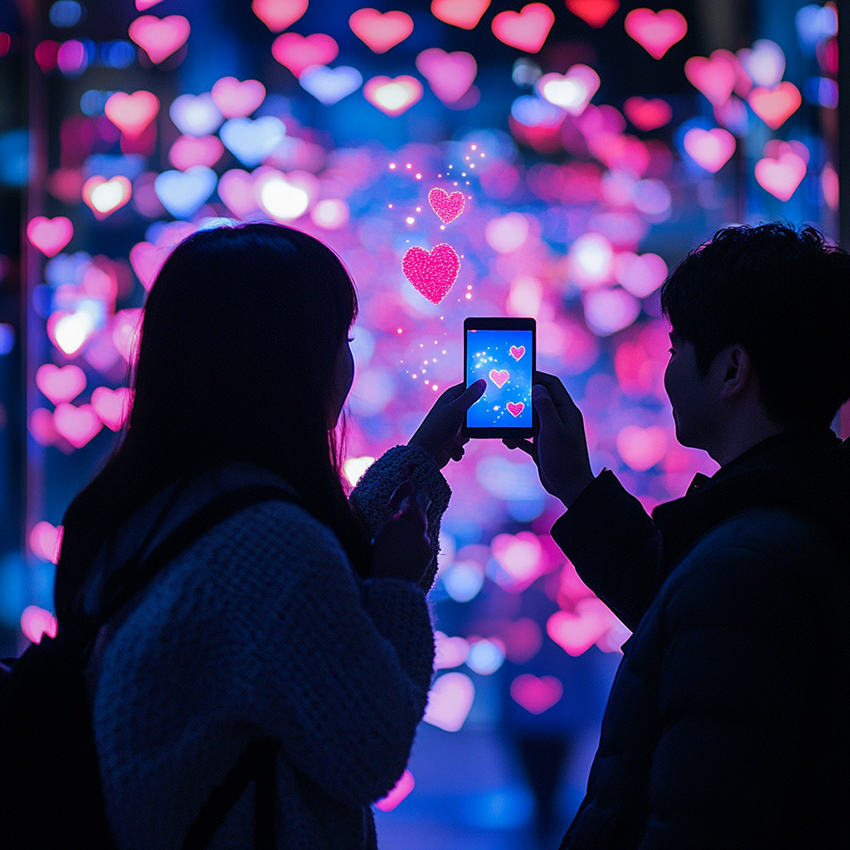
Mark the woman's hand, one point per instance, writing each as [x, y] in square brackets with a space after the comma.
[439, 434]
[402, 548]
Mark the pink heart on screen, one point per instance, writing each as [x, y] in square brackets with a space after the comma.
[656, 32]
[78, 425]
[460, 13]
[298, 52]
[159, 37]
[277, 15]
[515, 408]
[527, 29]
[517, 352]
[60, 385]
[131, 113]
[448, 207]
[236, 99]
[379, 31]
[433, 272]
[449, 74]
[50, 235]
[536, 695]
[500, 377]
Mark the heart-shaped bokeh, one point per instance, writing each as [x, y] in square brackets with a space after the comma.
[450, 75]
[132, 113]
[656, 32]
[237, 99]
[298, 52]
[393, 96]
[534, 694]
[710, 149]
[330, 85]
[160, 37]
[380, 31]
[460, 13]
[597, 13]
[277, 15]
[449, 701]
[60, 384]
[50, 235]
[527, 29]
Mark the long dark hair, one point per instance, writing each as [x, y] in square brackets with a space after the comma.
[239, 345]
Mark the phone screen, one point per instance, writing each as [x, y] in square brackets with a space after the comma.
[502, 351]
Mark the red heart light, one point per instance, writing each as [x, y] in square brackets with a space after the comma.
[131, 113]
[449, 74]
[499, 377]
[393, 96]
[236, 99]
[448, 207]
[656, 32]
[527, 29]
[597, 13]
[298, 52]
[50, 235]
[460, 13]
[648, 114]
[379, 31]
[277, 15]
[775, 106]
[433, 272]
[160, 37]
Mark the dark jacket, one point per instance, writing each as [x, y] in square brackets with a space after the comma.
[727, 723]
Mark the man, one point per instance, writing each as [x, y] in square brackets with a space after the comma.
[727, 723]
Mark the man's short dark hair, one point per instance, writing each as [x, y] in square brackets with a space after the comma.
[784, 296]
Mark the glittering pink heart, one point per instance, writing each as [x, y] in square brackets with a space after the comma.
[448, 207]
[499, 378]
[515, 409]
[432, 273]
[517, 352]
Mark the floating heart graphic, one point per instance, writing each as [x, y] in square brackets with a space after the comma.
[78, 425]
[536, 695]
[449, 701]
[648, 114]
[251, 141]
[656, 32]
[448, 207]
[195, 116]
[379, 31]
[159, 37]
[146, 260]
[400, 790]
[515, 408]
[37, 622]
[298, 52]
[710, 149]
[576, 633]
[104, 196]
[190, 150]
[460, 13]
[499, 377]
[781, 176]
[112, 406]
[607, 311]
[330, 85]
[236, 189]
[60, 385]
[237, 99]
[715, 76]
[183, 193]
[50, 235]
[517, 352]
[571, 91]
[131, 113]
[449, 74]
[46, 541]
[277, 15]
[393, 96]
[597, 13]
[775, 106]
[432, 273]
[642, 448]
[527, 29]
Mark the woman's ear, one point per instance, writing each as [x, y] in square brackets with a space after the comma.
[737, 369]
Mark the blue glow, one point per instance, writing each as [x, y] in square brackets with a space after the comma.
[14, 158]
[7, 339]
[65, 13]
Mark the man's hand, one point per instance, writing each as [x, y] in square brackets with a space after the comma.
[560, 446]
[439, 434]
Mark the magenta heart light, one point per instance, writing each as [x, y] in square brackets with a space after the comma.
[536, 695]
[112, 406]
[393, 95]
[449, 74]
[642, 448]
[449, 701]
[781, 175]
[37, 622]
[78, 425]
[714, 76]
[433, 272]
[46, 541]
[277, 15]
[460, 13]
[60, 384]
[50, 235]
[656, 32]
[298, 52]
[447, 206]
[160, 37]
[400, 790]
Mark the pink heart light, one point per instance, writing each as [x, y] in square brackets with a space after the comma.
[188, 151]
[517, 352]
[576, 632]
[448, 207]
[460, 13]
[277, 15]
[50, 235]
[640, 274]
[764, 63]
[571, 91]
[499, 377]
[714, 76]
[449, 74]
[112, 406]
[380, 32]
[236, 189]
[104, 196]
[527, 29]
[519, 555]
[46, 541]
[41, 426]
[37, 622]
[515, 408]
[60, 384]
[450, 651]
[400, 790]
[146, 260]
[508, 233]
[160, 37]
[393, 96]
[775, 106]
[237, 99]
[597, 13]
[449, 701]
[607, 311]
[78, 425]
[132, 113]
[433, 272]
[536, 695]
[195, 116]
[710, 149]
[642, 448]
[126, 325]
[656, 32]
[298, 52]
[782, 175]
[648, 114]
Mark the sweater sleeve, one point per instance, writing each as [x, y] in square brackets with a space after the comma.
[371, 496]
[614, 546]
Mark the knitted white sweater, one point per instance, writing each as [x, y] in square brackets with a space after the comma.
[262, 628]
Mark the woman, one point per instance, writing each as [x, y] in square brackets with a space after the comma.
[302, 620]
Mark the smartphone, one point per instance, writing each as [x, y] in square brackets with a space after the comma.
[503, 351]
